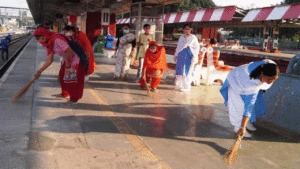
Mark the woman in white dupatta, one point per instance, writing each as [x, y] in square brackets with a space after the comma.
[186, 56]
[243, 93]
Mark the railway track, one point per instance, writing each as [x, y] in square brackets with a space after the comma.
[15, 47]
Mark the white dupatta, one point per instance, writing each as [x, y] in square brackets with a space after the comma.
[191, 41]
[241, 83]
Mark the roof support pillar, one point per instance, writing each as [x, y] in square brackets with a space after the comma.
[274, 46]
[267, 40]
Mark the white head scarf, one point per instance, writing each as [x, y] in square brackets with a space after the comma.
[239, 79]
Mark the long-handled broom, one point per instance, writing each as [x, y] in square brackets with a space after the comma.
[22, 91]
[147, 87]
[231, 155]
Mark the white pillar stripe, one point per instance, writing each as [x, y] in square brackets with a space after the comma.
[199, 16]
[172, 18]
[251, 15]
[278, 12]
[133, 20]
[216, 16]
[184, 17]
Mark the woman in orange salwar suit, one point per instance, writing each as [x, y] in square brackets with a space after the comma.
[155, 63]
[81, 39]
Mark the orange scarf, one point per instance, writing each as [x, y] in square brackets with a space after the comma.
[156, 60]
[81, 39]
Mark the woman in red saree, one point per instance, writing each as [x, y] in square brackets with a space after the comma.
[72, 70]
[154, 65]
[81, 39]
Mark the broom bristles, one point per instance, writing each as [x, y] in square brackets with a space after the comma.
[231, 155]
[22, 91]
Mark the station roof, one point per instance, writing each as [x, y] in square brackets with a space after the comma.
[232, 16]
[44, 11]
[228, 13]
[273, 13]
[202, 15]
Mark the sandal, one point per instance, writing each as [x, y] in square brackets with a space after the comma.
[153, 90]
[70, 103]
[115, 78]
[59, 96]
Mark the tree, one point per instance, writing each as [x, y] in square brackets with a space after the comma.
[245, 32]
[291, 1]
[289, 33]
[189, 5]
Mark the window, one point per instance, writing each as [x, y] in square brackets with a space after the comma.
[105, 19]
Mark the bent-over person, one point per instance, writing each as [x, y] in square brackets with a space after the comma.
[243, 93]
[72, 70]
[154, 65]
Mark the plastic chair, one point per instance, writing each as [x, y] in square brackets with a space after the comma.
[198, 68]
[211, 73]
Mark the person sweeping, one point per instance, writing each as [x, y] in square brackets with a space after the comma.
[72, 70]
[154, 65]
[81, 39]
[243, 95]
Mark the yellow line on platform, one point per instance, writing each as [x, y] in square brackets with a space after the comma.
[129, 133]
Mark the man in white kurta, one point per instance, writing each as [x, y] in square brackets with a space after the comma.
[187, 41]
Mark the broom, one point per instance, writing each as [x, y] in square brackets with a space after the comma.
[231, 155]
[147, 87]
[22, 91]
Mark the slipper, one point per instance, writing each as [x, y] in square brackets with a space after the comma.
[59, 96]
[141, 88]
[70, 104]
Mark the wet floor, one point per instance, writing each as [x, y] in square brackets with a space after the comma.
[189, 130]
[117, 126]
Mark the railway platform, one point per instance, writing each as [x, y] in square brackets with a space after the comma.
[117, 126]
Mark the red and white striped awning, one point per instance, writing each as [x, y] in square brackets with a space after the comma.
[123, 21]
[273, 13]
[202, 15]
[134, 20]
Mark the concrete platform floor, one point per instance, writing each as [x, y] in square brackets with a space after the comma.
[117, 126]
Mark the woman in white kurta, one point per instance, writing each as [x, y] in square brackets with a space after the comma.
[243, 92]
[186, 56]
[123, 54]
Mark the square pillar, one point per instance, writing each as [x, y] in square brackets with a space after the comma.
[274, 45]
[93, 23]
[112, 25]
[266, 42]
